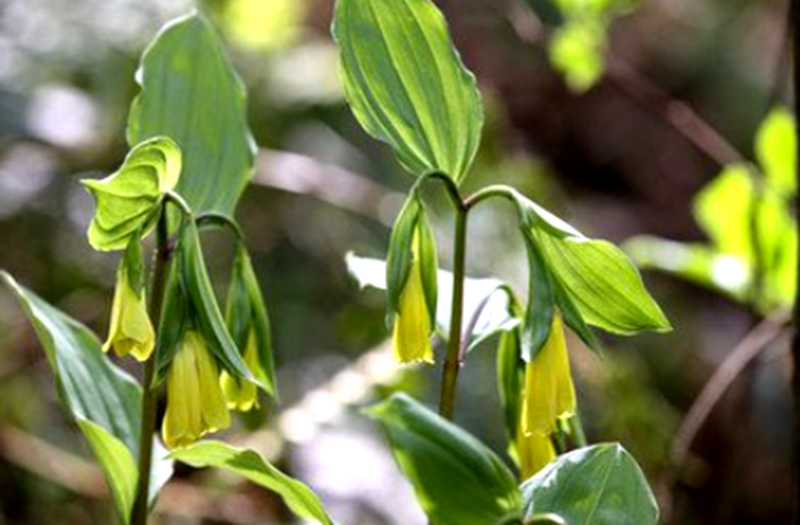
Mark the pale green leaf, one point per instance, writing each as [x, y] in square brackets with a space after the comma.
[457, 480]
[127, 201]
[117, 463]
[297, 496]
[603, 284]
[190, 92]
[597, 485]
[407, 85]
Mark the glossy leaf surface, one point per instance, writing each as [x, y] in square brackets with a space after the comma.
[458, 481]
[597, 485]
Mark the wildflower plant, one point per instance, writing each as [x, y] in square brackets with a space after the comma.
[190, 159]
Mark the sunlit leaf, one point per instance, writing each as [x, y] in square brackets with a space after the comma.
[598, 485]
[104, 400]
[127, 200]
[458, 481]
[776, 150]
[407, 85]
[297, 496]
[190, 92]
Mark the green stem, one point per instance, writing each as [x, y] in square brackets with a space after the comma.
[163, 255]
[452, 362]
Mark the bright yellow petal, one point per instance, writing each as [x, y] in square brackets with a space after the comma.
[549, 392]
[113, 328]
[535, 451]
[183, 420]
[411, 337]
[130, 331]
[243, 395]
[213, 407]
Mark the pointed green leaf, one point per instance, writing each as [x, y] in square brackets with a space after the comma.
[117, 463]
[458, 481]
[598, 485]
[297, 496]
[104, 400]
[407, 85]
[260, 323]
[603, 284]
[776, 150]
[190, 92]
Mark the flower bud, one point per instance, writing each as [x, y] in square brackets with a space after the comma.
[243, 395]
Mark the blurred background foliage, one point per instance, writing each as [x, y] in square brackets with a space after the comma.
[592, 111]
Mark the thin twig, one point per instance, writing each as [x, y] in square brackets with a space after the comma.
[748, 349]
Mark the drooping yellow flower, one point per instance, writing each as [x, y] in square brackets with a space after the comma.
[243, 395]
[130, 330]
[195, 402]
[411, 336]
[549, 392]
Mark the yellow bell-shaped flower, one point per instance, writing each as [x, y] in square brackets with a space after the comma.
[130, 331]
[548, 395]
[411, 336]
[195, 401]
[243, 395]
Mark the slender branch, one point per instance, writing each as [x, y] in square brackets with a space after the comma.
[748, 349]
[163, 254]
[500, 191]
[452, 362]
[449, 184]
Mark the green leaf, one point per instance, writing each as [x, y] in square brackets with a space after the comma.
[593, 281]
[128, 200]
[510, 383]
[598, 485]
[429, 263]
[539, 312]
[117, 463]
[407, 85]
[190, 92]
[458, 481]
[400, 251]
[482, 298]
[204, 307]
[297, 496]
[603, 284]
[259, 322]
[103, 399]
[776, 150]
